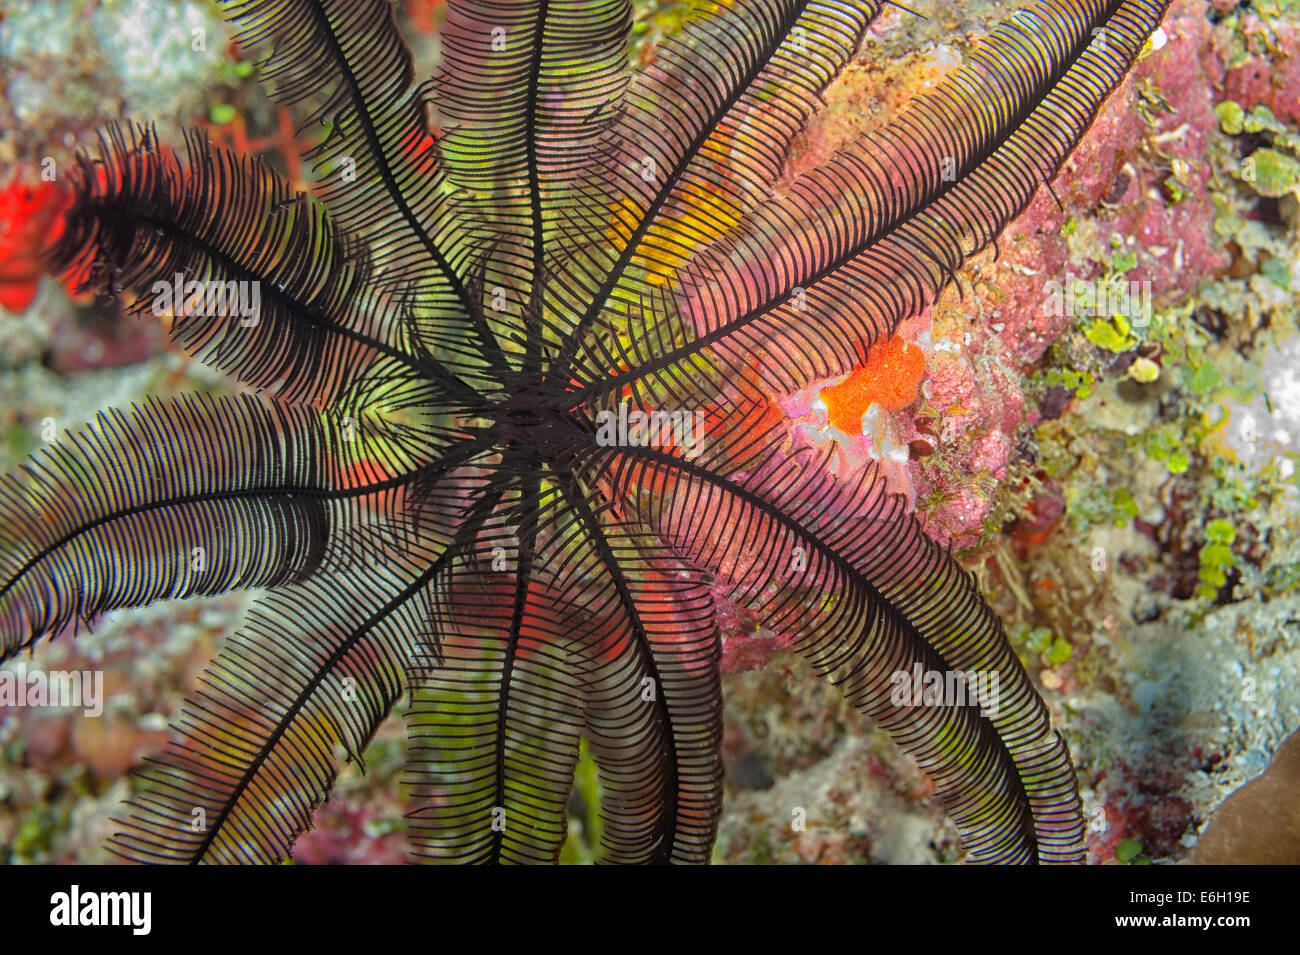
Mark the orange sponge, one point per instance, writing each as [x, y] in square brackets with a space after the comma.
[891, 378]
